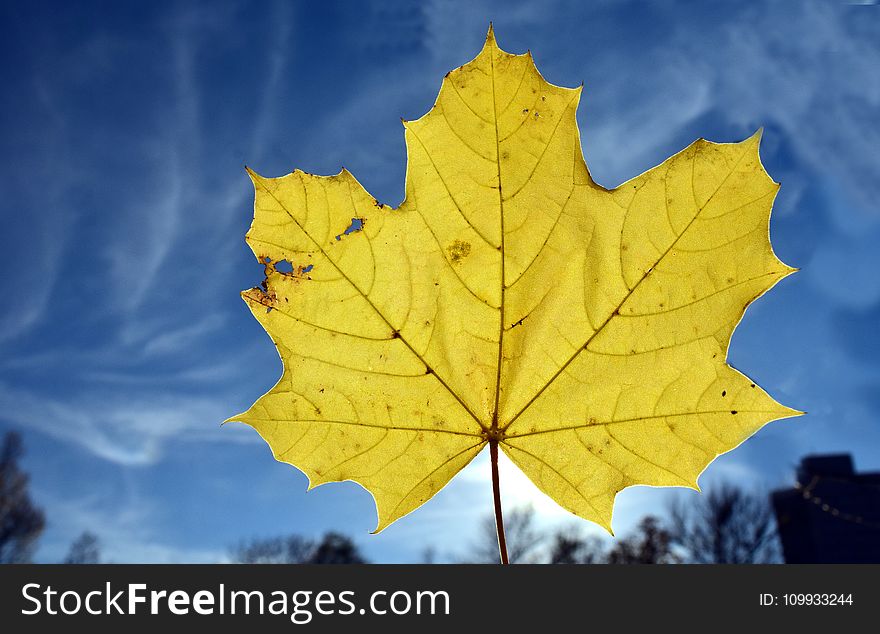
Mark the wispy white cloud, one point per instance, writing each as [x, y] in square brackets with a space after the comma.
[172, 341]
[815, 73]
[127, 530]
[148, 225]
[278, 53]
[124, 428]
[34, 259]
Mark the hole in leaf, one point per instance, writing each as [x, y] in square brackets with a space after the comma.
[285, 267]
[356, 225]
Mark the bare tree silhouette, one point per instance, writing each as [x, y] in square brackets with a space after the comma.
[429, 555]
[727, 525]
[292, 549]
[650, 543]
[21, 522]
[523, 538]
[86, 549]
[570, 546]
[334, 548]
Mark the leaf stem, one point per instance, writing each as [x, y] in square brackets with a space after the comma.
[496, 494]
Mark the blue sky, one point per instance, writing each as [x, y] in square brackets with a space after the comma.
[125, 129]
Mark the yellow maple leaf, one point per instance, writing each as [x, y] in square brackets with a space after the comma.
[512, 301]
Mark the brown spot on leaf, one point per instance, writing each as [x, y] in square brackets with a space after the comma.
[458, 251]
[263, 296]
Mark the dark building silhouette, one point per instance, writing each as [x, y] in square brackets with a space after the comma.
[832, 515]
